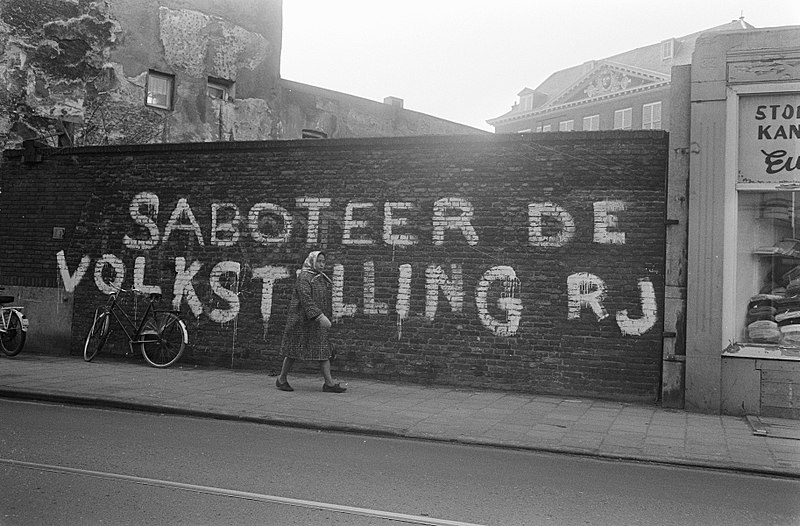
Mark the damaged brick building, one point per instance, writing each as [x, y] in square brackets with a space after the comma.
[96, 72]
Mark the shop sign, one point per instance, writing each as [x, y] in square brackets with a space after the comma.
[769, 138]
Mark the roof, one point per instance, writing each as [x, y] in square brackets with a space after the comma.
[644, 62]
[317, 99]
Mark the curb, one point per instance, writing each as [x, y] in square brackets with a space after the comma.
[378, 432]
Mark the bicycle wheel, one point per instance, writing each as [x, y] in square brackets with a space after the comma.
[163, 338]
[13, 338]
[97, 336]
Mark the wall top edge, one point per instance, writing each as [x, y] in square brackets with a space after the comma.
[373, 142]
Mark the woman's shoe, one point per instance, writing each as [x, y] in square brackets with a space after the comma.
[335, 388]
[283, 386]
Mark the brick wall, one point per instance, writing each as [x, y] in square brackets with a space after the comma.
[529, 263]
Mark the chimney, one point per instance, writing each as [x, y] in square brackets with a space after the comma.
[393, 101]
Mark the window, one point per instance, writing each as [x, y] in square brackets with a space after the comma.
[526, 102]
[528, 130]
[566, 125]
[766, 274]
[651, 116]
[219, 89]
[591, 123]
[539, 129]
[768, 267]
[546, 128]
[622, 119]
[309, 133]
[667, 49]
[160, 87]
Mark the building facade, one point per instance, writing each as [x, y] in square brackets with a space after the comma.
[627, 91]
[743, 268]
[149, 71]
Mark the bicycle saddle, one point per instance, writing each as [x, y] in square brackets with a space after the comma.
[6, 299]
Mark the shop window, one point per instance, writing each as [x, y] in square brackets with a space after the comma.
[219, 89]
[566, 125]
[160, 88]
[622, 119]
[591, 123]
[768, 268]
[651, 116]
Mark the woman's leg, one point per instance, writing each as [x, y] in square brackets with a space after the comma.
[285, 368]
[325, 367]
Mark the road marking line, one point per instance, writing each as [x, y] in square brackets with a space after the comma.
[367, 512]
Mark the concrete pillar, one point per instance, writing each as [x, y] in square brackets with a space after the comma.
[674, 347]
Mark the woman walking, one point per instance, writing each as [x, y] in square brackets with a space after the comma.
[308, 322]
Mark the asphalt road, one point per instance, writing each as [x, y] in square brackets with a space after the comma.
[75, 465]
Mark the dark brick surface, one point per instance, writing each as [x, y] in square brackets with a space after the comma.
[89, 193]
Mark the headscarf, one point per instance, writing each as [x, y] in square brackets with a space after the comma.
[310, 264]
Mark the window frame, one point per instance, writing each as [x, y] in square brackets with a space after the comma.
[592, 119]
[224, 86]
[668, 49]
[627, 115]
[735, 194]
[568, 125]
[650, 107]
[169, 93]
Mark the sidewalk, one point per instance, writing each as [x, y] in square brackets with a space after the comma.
[597, 428]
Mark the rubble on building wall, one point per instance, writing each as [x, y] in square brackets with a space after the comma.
[58, 83]
[50, 58]
[202, 45]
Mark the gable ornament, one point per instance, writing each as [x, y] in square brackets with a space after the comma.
[607, 82]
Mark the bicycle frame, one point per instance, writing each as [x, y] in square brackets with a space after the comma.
[131, 330]
[5, 319]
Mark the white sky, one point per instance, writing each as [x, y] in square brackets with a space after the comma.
[466, 60]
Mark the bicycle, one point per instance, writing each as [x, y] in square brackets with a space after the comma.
[13, 327]
[160, 335]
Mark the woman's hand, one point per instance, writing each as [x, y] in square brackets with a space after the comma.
[324, 322]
